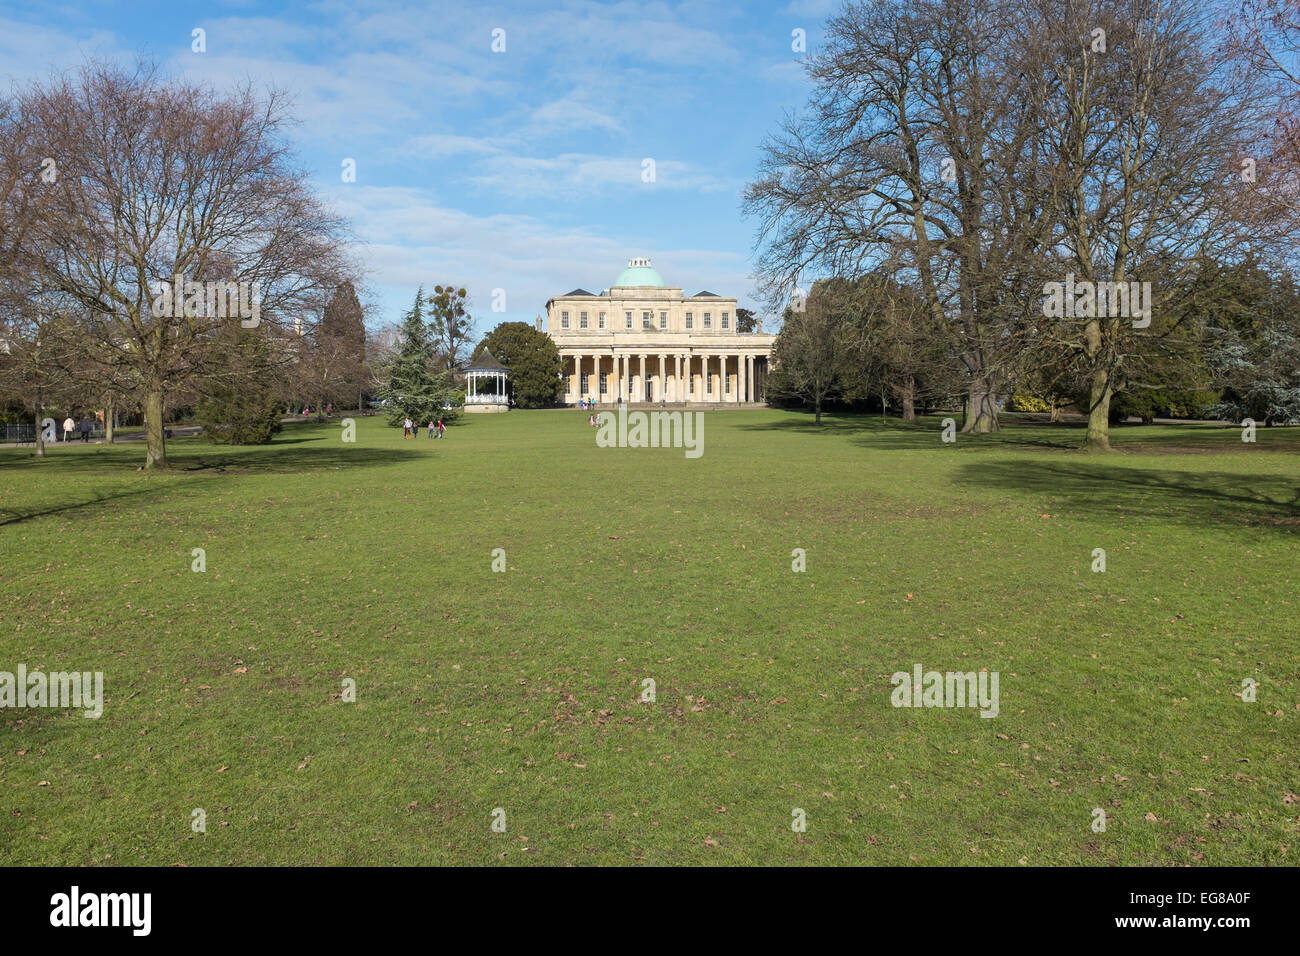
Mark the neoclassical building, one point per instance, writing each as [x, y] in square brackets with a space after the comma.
[643, 340]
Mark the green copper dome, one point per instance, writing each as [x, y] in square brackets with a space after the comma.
[639, 273]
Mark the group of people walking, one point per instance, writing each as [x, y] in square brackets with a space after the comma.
[436, 428]
[84, 428]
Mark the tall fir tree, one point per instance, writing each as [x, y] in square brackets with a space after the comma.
[413, 385]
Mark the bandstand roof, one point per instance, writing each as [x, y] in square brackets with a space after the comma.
[485, 361]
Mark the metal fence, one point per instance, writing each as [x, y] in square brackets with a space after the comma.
[25, 432]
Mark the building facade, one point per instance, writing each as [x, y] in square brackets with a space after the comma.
[643, 341]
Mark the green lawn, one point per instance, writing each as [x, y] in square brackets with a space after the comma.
[520, 690]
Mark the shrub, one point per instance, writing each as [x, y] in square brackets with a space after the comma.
[1029, 403]
[239, 417]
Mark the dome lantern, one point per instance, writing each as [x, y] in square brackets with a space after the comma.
[639, 274]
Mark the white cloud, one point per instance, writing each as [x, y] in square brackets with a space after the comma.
[570, 113]
[812, 8]
[570, 174]
[407, 239]
[32, 51]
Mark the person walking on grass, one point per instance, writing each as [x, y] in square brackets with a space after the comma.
[68, 426]
[406, 428]
[431, 428]
[84, 427]
[442, 429]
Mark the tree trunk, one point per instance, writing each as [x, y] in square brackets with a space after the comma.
[156, 445]
[109, 410]
[40, 438]
[1098, 436]
[981, 409]
[909, 400]
[818, 409]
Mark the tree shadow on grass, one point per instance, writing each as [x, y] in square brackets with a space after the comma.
[299, 455]
[868, 431]
[926, 432]
[1200, 497]
[188, 455]
[16, 516]
[195, 465]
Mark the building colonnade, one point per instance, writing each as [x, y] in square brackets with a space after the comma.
[677, 377]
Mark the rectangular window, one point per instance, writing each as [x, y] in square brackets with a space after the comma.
[690, 320]
[582, 320]
[708, 320]
[645, 320]
[628, 315]
[582, 387]
[604, 383]
[663, 320]
[708, 383]
[726, 384]
[690, 381]
[602, 320]
[564, 320]
[724, 319]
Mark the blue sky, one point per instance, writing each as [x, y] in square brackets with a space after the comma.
[519, 170]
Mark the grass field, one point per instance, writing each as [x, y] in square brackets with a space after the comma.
[521, 690]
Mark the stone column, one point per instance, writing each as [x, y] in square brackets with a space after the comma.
[678, 394]
[640, 388]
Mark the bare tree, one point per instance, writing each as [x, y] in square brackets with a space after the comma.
[450, 323]
[38, 335]
[1263, 38]
[169, 201]
[918, 146]
[1143, 129]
